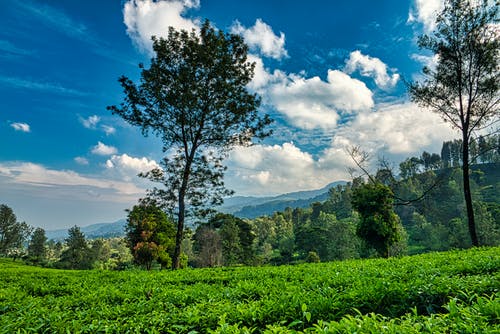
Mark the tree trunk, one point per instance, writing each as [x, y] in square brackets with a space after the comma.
[176, 260]
[467, 192]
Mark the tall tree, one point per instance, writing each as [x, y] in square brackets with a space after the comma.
[12, 232]
[37, 248]
[78, 254]
[379, 225]
[463, 88]
[194, 97]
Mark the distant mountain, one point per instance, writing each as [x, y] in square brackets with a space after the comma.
[240, 206]
[252, 207]
[102, 230]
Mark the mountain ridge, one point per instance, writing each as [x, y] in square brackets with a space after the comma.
[241, 206]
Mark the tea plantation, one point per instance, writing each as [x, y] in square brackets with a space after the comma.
[449, 292]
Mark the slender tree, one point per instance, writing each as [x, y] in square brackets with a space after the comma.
[37, 248]
[463, 88]
[194, 97]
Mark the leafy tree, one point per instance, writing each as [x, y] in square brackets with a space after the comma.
[37, 248]
[78, 254]
[194, 97]
[410, 167]
[446, 154]
[231, 247]
[54, 250]
[101, 252]
[150, 235]
[208, 247]
[463, 88]
[379, 224]
[12, 232]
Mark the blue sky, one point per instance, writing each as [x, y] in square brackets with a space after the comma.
[329, 72]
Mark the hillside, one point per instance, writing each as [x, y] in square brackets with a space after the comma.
[448, 292]
[252, 207]
[101, 230]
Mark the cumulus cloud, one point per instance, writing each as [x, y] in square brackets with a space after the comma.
[23, 127]
[313, 103]
[262, 38]
[425, 12]
[103, 149]
[146, 18]
[90, 122]
[128, 163]
[264, 169]
[81, 161]
[371, 67]
[398, 129]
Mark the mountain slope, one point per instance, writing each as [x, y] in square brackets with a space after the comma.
[101, 230]
[252, 207]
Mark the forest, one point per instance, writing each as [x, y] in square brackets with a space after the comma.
[427, 198]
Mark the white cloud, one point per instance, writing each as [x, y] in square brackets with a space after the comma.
[23, 127]
[49, 87]
[128, 163]
[397, 129]
[425, 12]
[312, 103]
[146, 18]
[109, 130]
[26, 173]
[81, 161]
[90, 122]
[263, 170]
[428, 61]
[261, 37]
[371, 67]
[102, 149]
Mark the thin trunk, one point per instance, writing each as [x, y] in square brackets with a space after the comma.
[467, 192]
[176, 260]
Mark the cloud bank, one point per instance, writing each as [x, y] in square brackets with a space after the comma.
[146, 18]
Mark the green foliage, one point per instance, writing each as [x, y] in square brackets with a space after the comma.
[37, 250]
[194, 97]
[379, 224]
[77, 254]
[12, 232]
[463, 87]
[150, 235]
[450, 292]
[312, 257]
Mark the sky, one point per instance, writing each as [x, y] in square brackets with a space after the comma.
[330, 73]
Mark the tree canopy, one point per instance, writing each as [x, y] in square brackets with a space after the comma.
[12, 232]
[194, 97]
[463, 87]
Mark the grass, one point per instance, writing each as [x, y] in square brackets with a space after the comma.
[448, 292]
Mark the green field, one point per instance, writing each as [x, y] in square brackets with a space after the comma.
[449, 292]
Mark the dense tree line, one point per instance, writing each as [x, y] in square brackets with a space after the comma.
[428, 215]
[417, 208]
